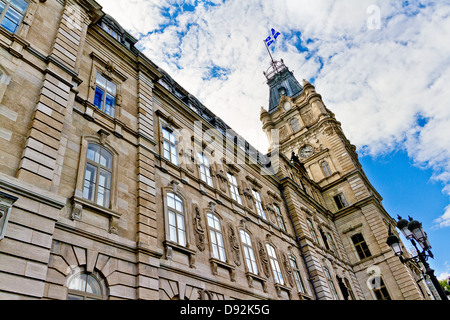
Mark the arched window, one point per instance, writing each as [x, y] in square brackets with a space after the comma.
[215, 233]
[205, 171]
[297, 274]
[274, 264]
[98, 175]
[177, 227]
[258, 203]
[84, 286]
[331, 283]
[326, 169]
[280, 219]
[248, 252]
[295, 125]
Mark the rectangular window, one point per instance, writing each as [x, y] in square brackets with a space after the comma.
[205, 171]
[312, 230]
[297, 276]
[258, 203]
[280, 218]
[331, 284]
[381, 292]
[105, 95]
[170, 146]
[340, 201]
[234, 188]
[11, 14]
[361, 246]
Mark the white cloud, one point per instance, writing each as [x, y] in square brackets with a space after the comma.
[395, 74]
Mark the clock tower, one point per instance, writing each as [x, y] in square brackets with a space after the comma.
[298, 123]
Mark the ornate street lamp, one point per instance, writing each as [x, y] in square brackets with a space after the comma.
[413, 231]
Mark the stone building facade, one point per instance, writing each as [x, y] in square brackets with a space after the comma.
[116, 183]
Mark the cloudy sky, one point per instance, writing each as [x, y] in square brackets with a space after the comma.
[381, 66]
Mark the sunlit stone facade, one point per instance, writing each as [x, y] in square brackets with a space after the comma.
[116, 183]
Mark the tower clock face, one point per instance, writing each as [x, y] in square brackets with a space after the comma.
[287, 106]
[306, 151]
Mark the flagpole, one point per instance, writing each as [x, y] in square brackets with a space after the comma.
[265, 43]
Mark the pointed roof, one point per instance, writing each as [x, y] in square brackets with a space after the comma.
[281, 81]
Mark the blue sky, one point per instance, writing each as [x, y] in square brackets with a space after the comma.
[382, 66]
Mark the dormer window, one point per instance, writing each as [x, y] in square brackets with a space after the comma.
[109, 30]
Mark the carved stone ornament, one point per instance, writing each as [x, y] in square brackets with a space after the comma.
[222, 178]
[234, 246]
[264, 259]
[288, 269]
[199, 230]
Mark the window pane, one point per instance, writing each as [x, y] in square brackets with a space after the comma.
[182, 238]
[106, 159]
[2, 6]
[74, 297]
[93, 286]
[173, 234]
[101, 81]
[11, 20]
[111, 88]
[78, 282]
[170, 200]
[89, 182]
[20, 4]
[93, 152]
[110, 104]
[98, 99]
[104, 179]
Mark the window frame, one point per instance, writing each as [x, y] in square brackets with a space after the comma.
[279, 217]
[234, 188]
[343, 203]
[173, 157]
[108, 80]
[326, 169]
[312, 230]
[297, 126]
[275, 265]
[297, 274]
[359, 246]
[8, 5]
[215, 233]
[176, 214]
[381, 290]
[84, 294]
[249, 252]
[99, 167]
[259, 204]
[331, 284]
[205, 169]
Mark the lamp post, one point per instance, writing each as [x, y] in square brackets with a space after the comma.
[413, 231]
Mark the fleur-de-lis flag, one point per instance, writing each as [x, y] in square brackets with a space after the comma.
[271, 39]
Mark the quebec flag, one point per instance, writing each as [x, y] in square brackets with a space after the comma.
[271, 39]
